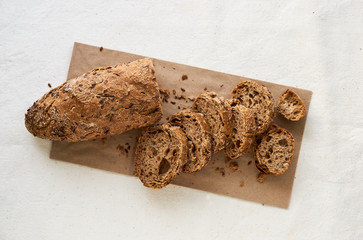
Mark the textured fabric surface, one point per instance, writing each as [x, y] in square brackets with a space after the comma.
[315, 45]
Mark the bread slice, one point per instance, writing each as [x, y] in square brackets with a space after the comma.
[160, 153]
[273, 155]
[244, 127]
[218, 114]
[100, 103]
[259, 99]
[199, 138]
[291, 106]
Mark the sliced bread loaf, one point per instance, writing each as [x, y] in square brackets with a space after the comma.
[160, 153]
[100, 103]
[259, 99]
[244, 126]
[218, 114]
[273, 155]
[199, 138]
[291, 106]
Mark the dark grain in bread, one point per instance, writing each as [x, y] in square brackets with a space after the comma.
[291, 106]
[259, 99]
[100, 103]
[199, 138]
[273, 155]
[160, 153]
[218, 114]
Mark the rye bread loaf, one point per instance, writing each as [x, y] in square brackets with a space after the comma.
[291, 106]
[100, 103]
[244, 127]
[273, 155]
[199, 138]
[218, 114]
[160, 153]
[259, 99]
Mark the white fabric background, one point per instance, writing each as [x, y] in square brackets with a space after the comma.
[316, 45]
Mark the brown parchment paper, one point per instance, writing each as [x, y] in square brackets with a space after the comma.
[106, 155]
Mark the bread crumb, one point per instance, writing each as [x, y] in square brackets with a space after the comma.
[191, 99]
[101, 48]
[182, 96]
[178, 107]
[233, 166]
[165, 93]
[173, 68]
[184, 77]
[220, 171]
[221, 85]
[249, 163]
[184, 108]
[172, 102]
[183, 90]
[263, 204]
[261, 177]
[122, 150]
[205, 89]
[241, 184]
[49, 85]
[174, 92]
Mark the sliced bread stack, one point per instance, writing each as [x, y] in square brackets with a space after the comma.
[186, 143]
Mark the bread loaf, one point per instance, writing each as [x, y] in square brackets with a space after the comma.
[218, 114]
[100, 103]
[160, 153]
[259, 99]
[199, 138]
[291, 106]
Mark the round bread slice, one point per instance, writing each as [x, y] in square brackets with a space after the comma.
[259, 99]
[199, 138]
[218, 114]
[160, 153]
[273, 155]
[291, 106]
[244, 127]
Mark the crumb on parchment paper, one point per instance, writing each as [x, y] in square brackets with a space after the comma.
[220, 171]
[261, 177]
[233, 166]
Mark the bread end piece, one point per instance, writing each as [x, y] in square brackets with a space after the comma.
[291, 106]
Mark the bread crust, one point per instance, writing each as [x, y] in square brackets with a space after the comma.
[199, 138]
[155, 146]
[259, 99]
[291, 106]
[100, 103]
